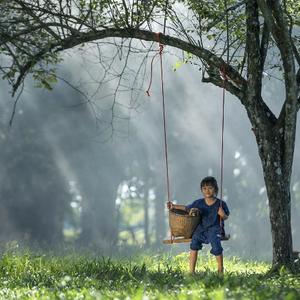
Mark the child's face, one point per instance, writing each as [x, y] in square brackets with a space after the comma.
[208, 191]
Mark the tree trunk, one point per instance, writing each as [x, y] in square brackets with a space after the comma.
[160, 217]
[280, 218]
[146, 220]
[277, 182]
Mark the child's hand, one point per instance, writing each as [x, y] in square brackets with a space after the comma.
[221, 213]
[170, 205]
[194, 211]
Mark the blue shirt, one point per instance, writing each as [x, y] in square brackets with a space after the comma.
[209, 213]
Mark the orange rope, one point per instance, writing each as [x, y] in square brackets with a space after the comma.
[164, 120]
[223, 76]
[160, 53]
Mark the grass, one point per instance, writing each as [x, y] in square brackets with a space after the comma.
[29, 276]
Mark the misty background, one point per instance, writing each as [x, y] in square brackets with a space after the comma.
[75, 172]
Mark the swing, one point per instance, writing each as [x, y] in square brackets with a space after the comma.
[181, 223]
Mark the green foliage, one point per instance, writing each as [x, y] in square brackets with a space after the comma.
[185, 60]
[292, 8]
[44, 79]
[149, 277]
[33, 33]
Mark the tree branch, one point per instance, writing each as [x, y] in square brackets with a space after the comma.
[216, 79]
[264, 45]
[259, 113]
[274, 16]
[223, 15]
[277, 24]
[254, 72]
[85, 37]
[37, 19]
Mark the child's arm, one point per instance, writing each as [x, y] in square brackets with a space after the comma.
[171, 205]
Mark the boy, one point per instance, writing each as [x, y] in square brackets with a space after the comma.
[213, 211]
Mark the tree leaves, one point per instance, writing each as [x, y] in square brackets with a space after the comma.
[44, 79]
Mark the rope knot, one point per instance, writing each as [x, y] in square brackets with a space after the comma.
[161, 48]
[223, 72]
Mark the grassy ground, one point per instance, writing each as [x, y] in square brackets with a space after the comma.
[26, 276]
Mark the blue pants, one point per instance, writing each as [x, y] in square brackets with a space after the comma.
[211, 235]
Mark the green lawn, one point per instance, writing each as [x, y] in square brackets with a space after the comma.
[26, 276]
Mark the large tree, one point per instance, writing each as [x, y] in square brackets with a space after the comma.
[245, 39]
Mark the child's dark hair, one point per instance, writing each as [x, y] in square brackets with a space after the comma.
[209, 180]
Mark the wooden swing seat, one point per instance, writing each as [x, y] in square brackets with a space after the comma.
[177, 241]
[225, 237]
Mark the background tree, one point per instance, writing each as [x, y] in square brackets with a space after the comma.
[50, 163]
[261, 36]
[34, 195]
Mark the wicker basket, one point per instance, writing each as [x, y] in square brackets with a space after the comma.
[182, 224]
